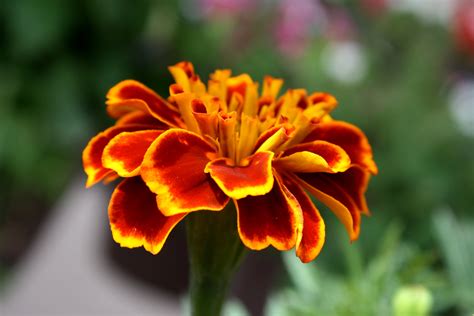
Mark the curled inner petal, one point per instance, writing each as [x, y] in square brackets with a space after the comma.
[273, 138]
[135, 220]
[254, 177]
[317, 156]
[173, 168]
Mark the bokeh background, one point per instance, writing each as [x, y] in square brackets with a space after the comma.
[403, 70]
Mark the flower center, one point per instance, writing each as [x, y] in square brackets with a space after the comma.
[231, 113]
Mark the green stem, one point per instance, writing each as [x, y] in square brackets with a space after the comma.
[215, 250]
[207, 296]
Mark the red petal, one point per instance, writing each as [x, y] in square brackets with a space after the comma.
[129, 95]
[350, 138]
[271, 219]
[336, 198]
[173, 168]
[124, 153]
[254, 178]
[135, 220]
[313, 234]
[354, 181]
[92, 154]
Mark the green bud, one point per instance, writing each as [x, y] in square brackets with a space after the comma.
[412, 300]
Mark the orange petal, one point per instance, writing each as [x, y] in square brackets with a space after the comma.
[271, 219]
[182, 72]
[111, 177]
[313, 234]
[124, 153]
[317, 156]
[92, 154]
[254, 177]
[173, 168]
[238, 85]
[320, 104]
[207, 122]
[138, 117]
[350, 138]
[271, 86]
[130, 95]
[335, 197]
[135, 220]
[217, 84]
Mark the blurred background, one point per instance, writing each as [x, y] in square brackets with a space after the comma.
[402, 70]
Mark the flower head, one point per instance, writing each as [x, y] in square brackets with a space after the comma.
[206, 145]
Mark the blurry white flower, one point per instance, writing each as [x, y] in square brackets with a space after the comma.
[439, 11]
[344, 61]
[461, 106]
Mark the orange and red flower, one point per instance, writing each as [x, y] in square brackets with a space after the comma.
[206, 145]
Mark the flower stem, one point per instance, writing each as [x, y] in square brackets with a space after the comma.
[215, 250]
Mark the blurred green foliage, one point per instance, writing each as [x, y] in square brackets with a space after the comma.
[456, 239]
[396, 279]
[58, 59]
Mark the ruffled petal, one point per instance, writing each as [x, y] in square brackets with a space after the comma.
[130, 95]
[317, 156]
[335, 197]
[173, 168]
[254, 177]
[271, 219]
[92, 154]
[124, 153]
[350, 138]
[135, 220]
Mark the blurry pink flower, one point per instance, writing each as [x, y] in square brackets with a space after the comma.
[231, 7]
[374, 7]
[295, 24]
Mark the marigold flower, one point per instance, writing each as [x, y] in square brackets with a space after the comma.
[206, 145]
